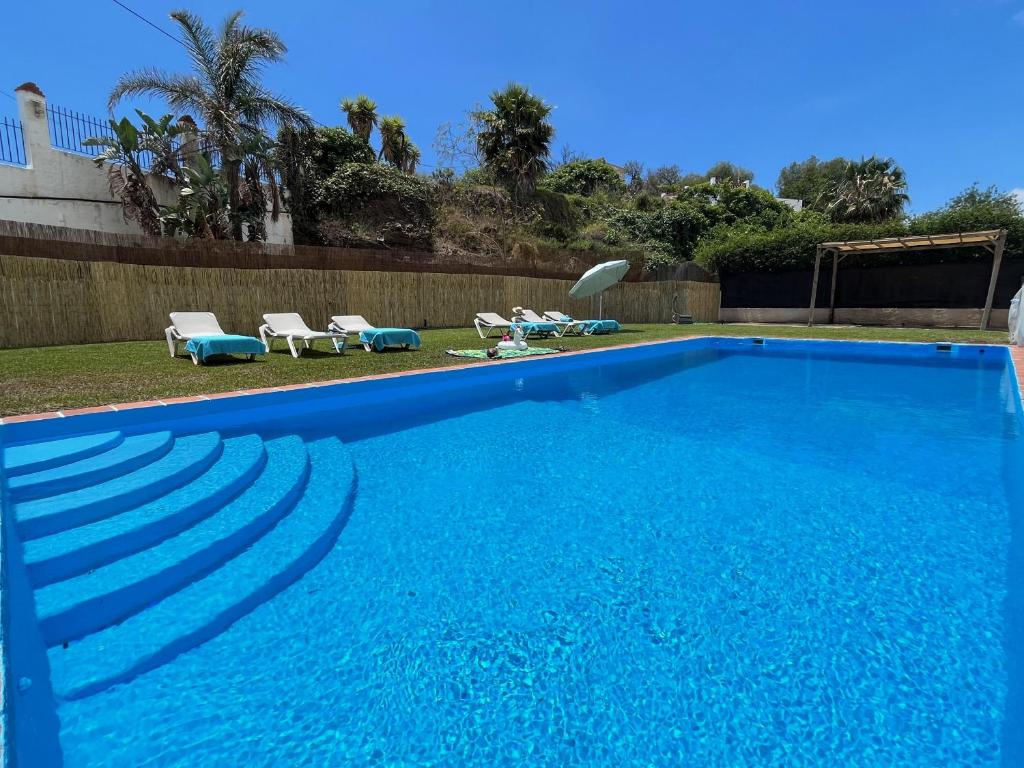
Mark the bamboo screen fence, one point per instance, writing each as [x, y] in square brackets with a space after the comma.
[47, 301]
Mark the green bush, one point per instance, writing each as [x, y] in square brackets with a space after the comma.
[977, 209]
[747, 247]
[307, 157]
[584, 177]
[367, 203]
[560, 216]
[331, 148]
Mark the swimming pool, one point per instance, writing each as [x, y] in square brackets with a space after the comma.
[711, 552]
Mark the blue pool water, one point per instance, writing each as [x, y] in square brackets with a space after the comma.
[722, 554]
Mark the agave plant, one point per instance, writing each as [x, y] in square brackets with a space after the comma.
[515, 140]
[224, 89]
[870, 190]
[361, 113]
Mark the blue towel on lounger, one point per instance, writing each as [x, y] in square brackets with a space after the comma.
[208, 346]
[529, 328]
[601, 326]
[379, 338]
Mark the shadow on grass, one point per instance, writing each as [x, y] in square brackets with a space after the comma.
[221, 361]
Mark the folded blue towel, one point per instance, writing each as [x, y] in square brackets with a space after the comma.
[208, 346]
[379, 338]
[601, 326]
[529, 328]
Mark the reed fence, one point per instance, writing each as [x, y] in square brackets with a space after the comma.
[48, 301]
[47, 241]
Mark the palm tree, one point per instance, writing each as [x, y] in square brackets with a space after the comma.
[393, 141]
[869, 191]
[515, 140]
[412, 158]
[361, 113]
[223, 90]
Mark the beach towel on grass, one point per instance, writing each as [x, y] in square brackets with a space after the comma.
[379, 338]
[204, 347]
[529, 328]
[601, 326]
[504, 354]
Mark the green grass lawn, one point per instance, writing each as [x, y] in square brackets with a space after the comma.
[53, 378]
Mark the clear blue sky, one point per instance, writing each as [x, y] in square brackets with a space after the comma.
[936, 84]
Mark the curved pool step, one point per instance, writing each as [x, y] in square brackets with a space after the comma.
[187, 458]
[128, 455]
[211, 604]
[73, 552]
[79, 606]
[37, 457]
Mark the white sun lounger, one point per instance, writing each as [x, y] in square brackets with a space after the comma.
[577, 327]
[490, 321]
[564, 326]
[187, 325]
[353, 325]
[291, 327]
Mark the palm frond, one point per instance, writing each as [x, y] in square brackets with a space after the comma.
[199, 42]
[181, 92]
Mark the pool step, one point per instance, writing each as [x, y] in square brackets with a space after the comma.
[87, 603]
[169, 464]
[75, 551]
[128, 455]
[24, 459]
[210, 604]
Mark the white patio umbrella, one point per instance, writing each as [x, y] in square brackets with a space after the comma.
[597, 280]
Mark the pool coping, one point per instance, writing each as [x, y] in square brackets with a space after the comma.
[1016, 358]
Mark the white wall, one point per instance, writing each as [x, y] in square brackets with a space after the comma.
[66, 189]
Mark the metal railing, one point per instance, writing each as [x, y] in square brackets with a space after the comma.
[12, 142]
[70, 129]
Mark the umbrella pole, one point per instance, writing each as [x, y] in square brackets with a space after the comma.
[600, 306]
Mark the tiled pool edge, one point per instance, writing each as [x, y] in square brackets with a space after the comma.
[117, 407]
[1017, 363]
[1016, 358]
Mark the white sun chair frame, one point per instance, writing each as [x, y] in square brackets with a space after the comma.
[291, 327]
[490, 321]
[352, 325]
[576, 327]
[189, 325]
[564, 327]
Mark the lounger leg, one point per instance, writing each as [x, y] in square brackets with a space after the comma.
[476, 322]
[264, 339]
[169, 333]
[291, 346]
[195, 360]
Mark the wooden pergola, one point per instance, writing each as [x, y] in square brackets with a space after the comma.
[993, 240]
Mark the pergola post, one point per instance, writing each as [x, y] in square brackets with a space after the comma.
[997, 258]
[814, 285]
[832, 296]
